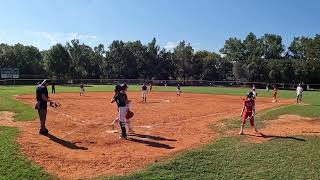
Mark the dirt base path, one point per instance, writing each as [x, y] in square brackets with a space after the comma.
[81, 145]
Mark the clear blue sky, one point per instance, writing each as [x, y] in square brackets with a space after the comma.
[206, 24]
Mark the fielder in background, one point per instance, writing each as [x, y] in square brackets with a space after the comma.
[248, 111]
[299, 93]
[254, 93]
[274, 93]
[144, 92]
[81, 89]
[178, 90]
[41, 105]
[150, 86]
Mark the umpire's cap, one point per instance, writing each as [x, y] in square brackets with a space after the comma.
[124, 86]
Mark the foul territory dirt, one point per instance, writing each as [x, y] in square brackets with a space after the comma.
[81, 144]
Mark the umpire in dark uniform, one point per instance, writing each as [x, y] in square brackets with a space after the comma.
[41, 106]
[53, 88]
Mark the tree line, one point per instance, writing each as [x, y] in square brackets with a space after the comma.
[253, 59]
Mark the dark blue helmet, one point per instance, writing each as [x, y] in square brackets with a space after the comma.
[117, 88]
[250, 94]
[124, 86]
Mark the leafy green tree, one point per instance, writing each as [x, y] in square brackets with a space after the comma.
[86, 66]
[121, 60]
[224, 68]
[272, 46]
[206, 64]
[253, 47]
[305, 53]
[239, 72]
[253, 59]
[74, 51]
[252, 71]
[300, 48]
[166, 66]
[86, 62]
[153, 59]
[233, 50]
[27, 58]
[311, 70]
[139, 53]
[316, 46]
[7, 56]
[57, 61]
[299, 70]
[183, 54]
[197, 64]
[287, 70]
[99, 61]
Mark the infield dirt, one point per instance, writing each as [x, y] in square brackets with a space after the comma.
[81, 145]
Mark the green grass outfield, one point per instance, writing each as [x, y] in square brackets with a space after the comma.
[227, 158]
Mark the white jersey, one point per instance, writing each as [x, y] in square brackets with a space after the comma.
[299, 90]
[254, 94]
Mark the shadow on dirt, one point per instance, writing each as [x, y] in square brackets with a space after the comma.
[152, 144]
[158, 138]
[64, 143]
[140, 138]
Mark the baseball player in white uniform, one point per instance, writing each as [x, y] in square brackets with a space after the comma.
[299, 93]
[254, 93]
[178, 90]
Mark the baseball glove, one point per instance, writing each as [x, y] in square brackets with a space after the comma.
[55, 104]
[129, 114]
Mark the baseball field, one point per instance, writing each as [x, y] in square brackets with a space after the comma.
[194, 136]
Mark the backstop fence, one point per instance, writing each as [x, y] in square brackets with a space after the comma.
[73, 82]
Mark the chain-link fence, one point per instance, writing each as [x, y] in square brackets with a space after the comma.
[259, 85]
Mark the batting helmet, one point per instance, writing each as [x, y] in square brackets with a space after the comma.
[250, 94]
[117, 88]
[124, 86]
